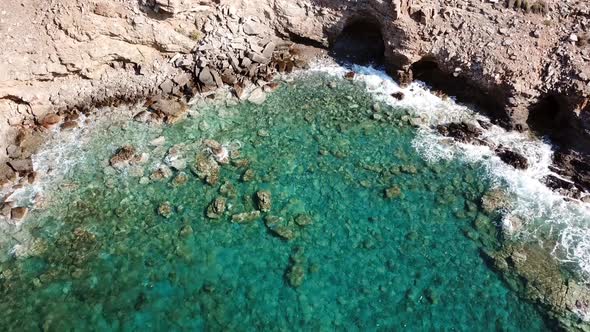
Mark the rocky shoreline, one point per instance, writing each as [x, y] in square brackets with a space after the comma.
[525, 67]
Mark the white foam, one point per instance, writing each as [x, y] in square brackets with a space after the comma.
[545, 214]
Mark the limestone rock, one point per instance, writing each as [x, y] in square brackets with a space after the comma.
[216, 209]
[245, 217]
[264, 200]
[165, 210]
[122, 157]
[257, 97]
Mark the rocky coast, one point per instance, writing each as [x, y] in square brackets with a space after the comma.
[524, 64]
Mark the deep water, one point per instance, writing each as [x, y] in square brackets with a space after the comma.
[101, 257]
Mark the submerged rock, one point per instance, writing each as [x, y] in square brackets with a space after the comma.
[218, 151]
[228, 190]
[246, 217]
[393, 192]
[248, 175]
[264, 200]
[161, 173]
[216, 209]
[295, 273]
[122, 157]
[494, 200]
[207, 169]
[180, 179]
[165, 210]
[257, 97]
[303, 219]
[512, 158]
[271, 221]
[186, 231]
[284, 232]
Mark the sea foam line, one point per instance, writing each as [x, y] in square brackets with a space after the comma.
[544, 213]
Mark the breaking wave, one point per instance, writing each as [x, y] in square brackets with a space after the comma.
[543, 214]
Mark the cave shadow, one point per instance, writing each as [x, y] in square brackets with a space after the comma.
[427, 70]
[547, 116]
[360, 42]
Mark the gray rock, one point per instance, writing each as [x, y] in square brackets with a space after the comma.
[21, 165]
[257, 97]
[167, 86]
[252, 28]
[268, 50]
[217, 78]
[206, 77]
[246, 63]
[259, 58]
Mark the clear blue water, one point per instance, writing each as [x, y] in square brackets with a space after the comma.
[103, 258]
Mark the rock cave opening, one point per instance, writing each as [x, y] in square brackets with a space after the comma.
[544, 115]
[547, 115]
[429, 71]
[360, 42]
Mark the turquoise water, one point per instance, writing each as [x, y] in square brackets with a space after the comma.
[363, 234]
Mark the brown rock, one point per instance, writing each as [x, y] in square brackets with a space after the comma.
[264, 200]
[123, 156]
[21, 165]
[51, 120]
[19, 213]
[69, 125]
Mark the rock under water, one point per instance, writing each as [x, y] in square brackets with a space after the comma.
[330, 219]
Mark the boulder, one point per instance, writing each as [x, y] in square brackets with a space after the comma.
[264, 200]
[462, 132]
[398, 95]
[206, 77]
[122, 157]
[252, 28]
[172, 110]
[21, 165]
[216, 209]
[206, 168]
[165, 210]
[257, 97]
[512, 158]
[51, 120]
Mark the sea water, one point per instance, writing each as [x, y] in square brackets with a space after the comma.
[369, 228]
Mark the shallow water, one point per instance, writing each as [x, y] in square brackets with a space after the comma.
[101, 256]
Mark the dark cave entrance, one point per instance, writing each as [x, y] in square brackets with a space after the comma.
[361, 42]
[546, 117]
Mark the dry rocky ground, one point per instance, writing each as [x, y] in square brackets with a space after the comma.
[525, 62]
